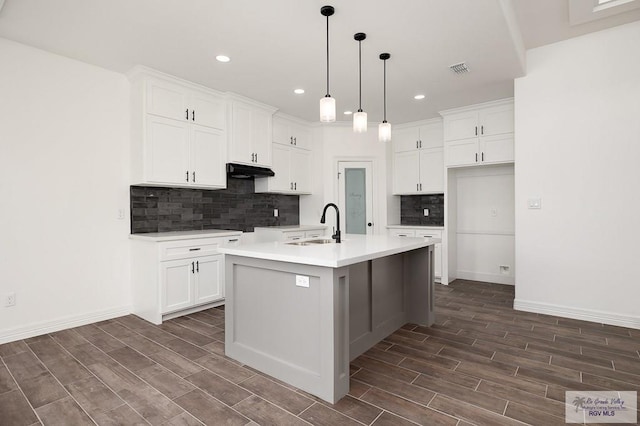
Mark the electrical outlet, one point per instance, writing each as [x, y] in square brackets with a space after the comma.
[120, 214]
[425, 212]
[504, 269]
[275, 212]
[302, 281]
[10, 300]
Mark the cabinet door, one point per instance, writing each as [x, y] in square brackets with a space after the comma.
[405, 139]
[176, 283]
[209, 279]
[282, 181]
[281, 131]
[461, 152]
[496, 120]
[167, 151]
[167, 100]
[463, 125]
[301, 136]
[208, 157]
[406, 172]
[261, 123]
[208, 110]
[437, 251]
[301, 170]
[431, 135]
[432, 170]
[240, 147]
[497, 149]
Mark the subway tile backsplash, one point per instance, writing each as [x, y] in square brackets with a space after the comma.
[155, 209]
[412, 208]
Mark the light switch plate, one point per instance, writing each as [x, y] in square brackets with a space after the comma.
[425, 212]
[534, 203]
[302, 281]
[275, 212]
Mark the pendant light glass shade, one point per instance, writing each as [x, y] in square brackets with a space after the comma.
[384, 132]
[327, 103]
[384, 128]
[360, 122]
[360, 117]
[327, 109]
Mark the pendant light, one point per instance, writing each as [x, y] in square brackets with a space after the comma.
[384, 128]
[360, 117]
[327, 104]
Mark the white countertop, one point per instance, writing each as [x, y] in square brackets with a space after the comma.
[353, 249]
[288, 228]
[414, 227]
[184, 235]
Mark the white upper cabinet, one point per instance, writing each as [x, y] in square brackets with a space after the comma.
[178, 132]
[251, 133]
[479, 134]
[292, 168]
[418, 163]
[290, 132]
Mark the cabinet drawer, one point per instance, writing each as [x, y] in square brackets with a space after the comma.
[402, 232]
[428, 234]
[192, 248]
[292, 236]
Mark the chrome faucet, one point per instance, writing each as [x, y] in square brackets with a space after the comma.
[335, 236]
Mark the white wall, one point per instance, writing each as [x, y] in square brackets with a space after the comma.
[63, 176]
[578, 147]
[485, 223]
[336, 141]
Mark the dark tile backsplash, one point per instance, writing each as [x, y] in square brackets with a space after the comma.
[412, 206]
[155, 209]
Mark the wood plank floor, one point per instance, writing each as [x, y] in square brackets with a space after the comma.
[481, 363]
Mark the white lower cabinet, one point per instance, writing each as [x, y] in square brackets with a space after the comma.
[425, 233]
[290, 233]
[174, 276]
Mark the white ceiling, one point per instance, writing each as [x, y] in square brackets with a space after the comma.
[278, 45]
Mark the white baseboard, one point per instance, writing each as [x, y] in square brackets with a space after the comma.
[609, 318]
[37, 329]
[489, 278]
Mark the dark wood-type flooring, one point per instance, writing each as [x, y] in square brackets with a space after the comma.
[482, 363]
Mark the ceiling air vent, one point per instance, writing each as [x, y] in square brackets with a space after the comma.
[460, 68]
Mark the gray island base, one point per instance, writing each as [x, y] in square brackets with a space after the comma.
[302, 315]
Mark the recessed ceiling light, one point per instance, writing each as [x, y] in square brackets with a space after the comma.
[418, 97]
[222, 58]
[298, 91]
[348, 112]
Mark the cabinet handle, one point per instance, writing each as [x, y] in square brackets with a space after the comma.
[421, 144]
[476, 130]
[195, 249]
[253, 156]
[193, 115]
[290, 140]
[417, 187]
[194, 176]
[187, 175]
[295, 141]
[256, 157]
[193, 267]
[476, 157]
[291, 186]
[417, 143]
[482, 130]
[197, 266]
[233, 241]
[295, 185]
[420, 187]
[187, 112]
[483, 156]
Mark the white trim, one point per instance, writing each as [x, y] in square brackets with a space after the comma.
[411, 124]
[44, 327]
[592, 315]
[488, 278]
[473, 107]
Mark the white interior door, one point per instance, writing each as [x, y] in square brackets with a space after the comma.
[355, 188]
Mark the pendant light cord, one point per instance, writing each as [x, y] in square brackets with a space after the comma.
[327, 55]
[360, 75]
[384, 91]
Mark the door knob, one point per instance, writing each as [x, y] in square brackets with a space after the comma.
[369, 224]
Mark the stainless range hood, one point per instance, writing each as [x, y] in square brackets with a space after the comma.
[242, 171]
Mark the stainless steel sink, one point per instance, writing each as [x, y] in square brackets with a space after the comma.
[311, 242]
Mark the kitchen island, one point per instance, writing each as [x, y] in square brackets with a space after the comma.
[301, 311]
